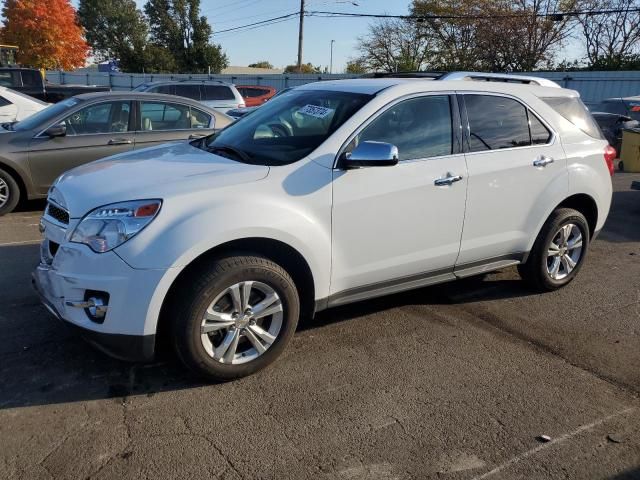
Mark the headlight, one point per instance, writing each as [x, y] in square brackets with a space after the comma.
[107, 227]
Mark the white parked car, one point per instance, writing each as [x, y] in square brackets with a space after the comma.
[337, 192]
[213, 93]
[16, 106]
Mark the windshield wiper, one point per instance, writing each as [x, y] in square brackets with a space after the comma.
[243, 156]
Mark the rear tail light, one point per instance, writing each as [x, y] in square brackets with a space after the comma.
[609, 156]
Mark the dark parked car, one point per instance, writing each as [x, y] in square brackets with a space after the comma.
[78, 130]
[612, 125]
[30, 82]
[627, 106]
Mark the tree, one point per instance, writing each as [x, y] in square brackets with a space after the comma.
[304, 68]
[356, 66]
[46, 33]
[394, 45]
[177, 26]
[116, 29]
[499, 35]
[612, 42]
[261, 64]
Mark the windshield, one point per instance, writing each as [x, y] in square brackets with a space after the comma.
[286, 128]
[45, 115]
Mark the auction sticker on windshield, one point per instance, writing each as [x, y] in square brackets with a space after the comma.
[315, 111]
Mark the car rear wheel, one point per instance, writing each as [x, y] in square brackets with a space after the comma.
[235, 317]
[559, 251]
[9, 193]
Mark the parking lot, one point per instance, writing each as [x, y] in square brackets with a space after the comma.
[455, 381]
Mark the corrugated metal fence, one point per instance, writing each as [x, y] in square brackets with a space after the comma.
[593, 86]
[128, 81]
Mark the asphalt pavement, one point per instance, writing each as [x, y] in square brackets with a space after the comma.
[457, 381]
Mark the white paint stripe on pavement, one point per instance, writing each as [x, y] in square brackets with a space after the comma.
[23, 242]
[555, 441]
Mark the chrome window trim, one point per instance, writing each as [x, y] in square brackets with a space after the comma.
[551, 141]
[40, 134]
[386, 107]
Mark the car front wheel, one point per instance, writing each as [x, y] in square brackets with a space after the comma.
[235, 317]
[559, 251]
[9, 193]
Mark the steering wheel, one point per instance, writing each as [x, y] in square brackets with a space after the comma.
[281, 129]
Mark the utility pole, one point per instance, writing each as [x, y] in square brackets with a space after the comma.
[331, 57]
[300, 35]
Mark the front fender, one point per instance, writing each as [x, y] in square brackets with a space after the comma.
[193, 224]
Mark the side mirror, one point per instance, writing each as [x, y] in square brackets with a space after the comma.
[370, 154]
[59, 130]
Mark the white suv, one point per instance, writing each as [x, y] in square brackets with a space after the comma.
[332, 193]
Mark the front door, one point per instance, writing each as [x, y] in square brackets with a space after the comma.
[517, 170]
[93, 132]
[400, 226]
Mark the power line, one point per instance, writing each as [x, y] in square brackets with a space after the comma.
[328, 14]
[554, 15]
[261, 22]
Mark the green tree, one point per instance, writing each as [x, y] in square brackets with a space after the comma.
[304, 68]
[115, 29]
[177, 26]
[261, 64]
[356, 65]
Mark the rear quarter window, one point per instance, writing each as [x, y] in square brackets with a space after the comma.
[218, 92]
[574, 110]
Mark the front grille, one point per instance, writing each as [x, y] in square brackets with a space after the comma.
[58, 213]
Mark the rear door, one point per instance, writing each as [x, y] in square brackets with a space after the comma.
[162, 122]
[93, 132]
[517, 169]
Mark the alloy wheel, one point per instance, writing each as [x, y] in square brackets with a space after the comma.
[4, 193]
[564, 252]
[242, 322]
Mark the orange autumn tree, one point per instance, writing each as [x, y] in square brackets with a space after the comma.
[46, 33]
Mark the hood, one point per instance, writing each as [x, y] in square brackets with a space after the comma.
[157, 172]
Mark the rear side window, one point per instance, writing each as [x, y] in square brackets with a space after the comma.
[189, 91]
[496, 123]
[31, 78]
[4, 102]
[166, 89]
[217, 92]
[574, 110]
[6, 79]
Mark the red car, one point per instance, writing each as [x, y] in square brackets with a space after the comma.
[255, 95]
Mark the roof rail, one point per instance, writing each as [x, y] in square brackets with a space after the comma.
[500, 77]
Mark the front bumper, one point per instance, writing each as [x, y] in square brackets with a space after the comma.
[132, 348]
[65, 276]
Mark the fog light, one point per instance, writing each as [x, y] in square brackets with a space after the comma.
[97, 304]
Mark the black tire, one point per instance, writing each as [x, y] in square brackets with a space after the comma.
[198, 293]
[535, 271]
[9, 185]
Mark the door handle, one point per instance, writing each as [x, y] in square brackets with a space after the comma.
[119, 141]
[542, 161]
[448, 180]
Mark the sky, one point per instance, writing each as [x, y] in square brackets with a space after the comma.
[278, 43]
